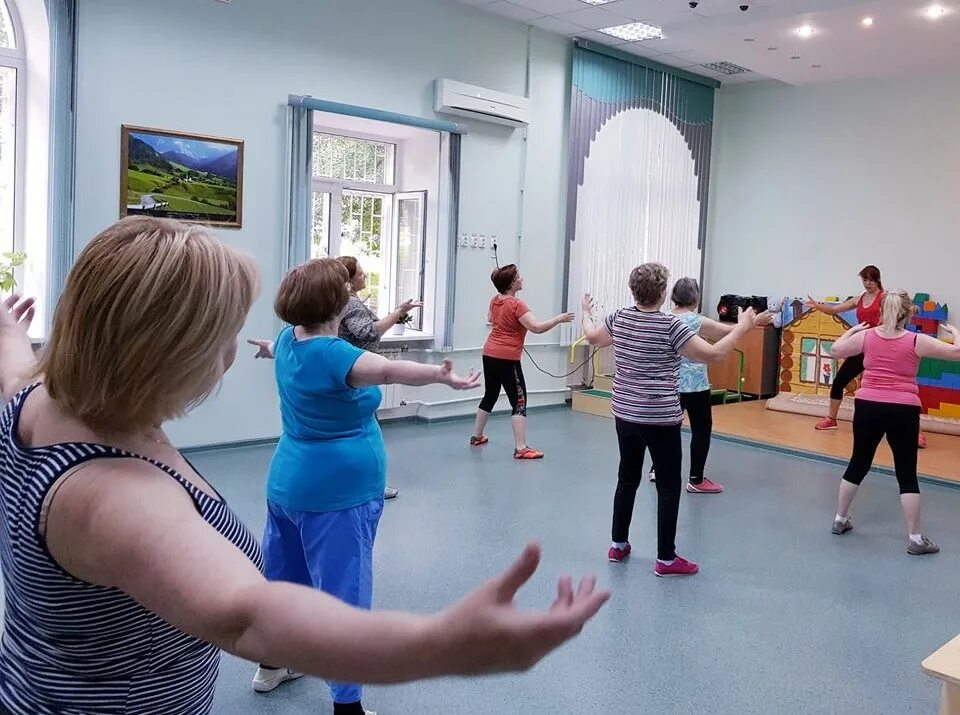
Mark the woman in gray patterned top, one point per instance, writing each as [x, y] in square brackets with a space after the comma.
[360, 326]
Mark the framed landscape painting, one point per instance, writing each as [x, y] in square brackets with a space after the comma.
[188, 177]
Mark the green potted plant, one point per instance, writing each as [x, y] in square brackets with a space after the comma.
[402, 322]
[11, 261]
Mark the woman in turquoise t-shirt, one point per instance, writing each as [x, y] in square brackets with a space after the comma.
[326, 480]
[695, 383]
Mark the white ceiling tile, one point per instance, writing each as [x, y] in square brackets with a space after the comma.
[550, 7]
[594, 18]
[508, 9]
[601, 38]
[655, 12]
[689, 58]
[641, 49]
[668, 44]
[559, 26]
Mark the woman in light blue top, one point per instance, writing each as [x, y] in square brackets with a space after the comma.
[326, 480]
[695, 383]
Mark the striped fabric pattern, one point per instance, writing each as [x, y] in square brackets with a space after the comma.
[72, 648]
[646, 348]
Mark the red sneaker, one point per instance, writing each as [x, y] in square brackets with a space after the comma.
[826, 423]
[617, 555]
[922, 442]
[679, 567]
[704, 487]
[527, 453]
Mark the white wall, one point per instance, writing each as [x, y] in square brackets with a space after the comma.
[226, 70]
[810, 184]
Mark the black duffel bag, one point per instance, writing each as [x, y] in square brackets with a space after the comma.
[730, 305]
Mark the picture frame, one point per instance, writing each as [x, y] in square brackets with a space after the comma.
[189, 177]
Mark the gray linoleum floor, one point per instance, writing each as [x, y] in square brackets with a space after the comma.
[783, 618]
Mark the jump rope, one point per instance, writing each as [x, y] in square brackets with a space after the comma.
[589, 359]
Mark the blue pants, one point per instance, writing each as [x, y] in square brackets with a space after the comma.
[331, 551]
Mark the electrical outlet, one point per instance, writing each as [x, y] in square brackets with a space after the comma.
[483, 241]
[473, 240]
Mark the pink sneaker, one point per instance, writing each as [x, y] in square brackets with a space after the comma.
[826, 423]
[679, 567]
[922, 442]
[704, 487]
[617, 555]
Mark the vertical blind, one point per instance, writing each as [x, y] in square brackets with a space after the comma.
[640, 139]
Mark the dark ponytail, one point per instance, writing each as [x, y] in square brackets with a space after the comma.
[871, 273]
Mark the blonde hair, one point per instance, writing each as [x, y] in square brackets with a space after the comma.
[139, 330]
[896, 309]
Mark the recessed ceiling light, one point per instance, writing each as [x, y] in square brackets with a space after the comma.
[795, 57]
[634, 32]
[867, 22]
[596, 2]
[749, 39]
[727, 68]
[935, 12]
[816, 67]
[773, 48]
[805, 31]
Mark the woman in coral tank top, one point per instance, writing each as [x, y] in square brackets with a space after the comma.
[888, 405]
[510, 319]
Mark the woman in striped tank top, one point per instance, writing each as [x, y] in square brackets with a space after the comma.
[888, 405]
[648, 345]
[124, 570]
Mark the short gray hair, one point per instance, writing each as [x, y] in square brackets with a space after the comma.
[648, 283]
[686, 293]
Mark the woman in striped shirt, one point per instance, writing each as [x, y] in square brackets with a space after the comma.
[648, 345]
[124, 570]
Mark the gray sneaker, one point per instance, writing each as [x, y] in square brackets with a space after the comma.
[390, 493]
[924, 547]
[842, 527]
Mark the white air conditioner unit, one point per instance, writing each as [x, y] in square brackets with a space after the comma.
[486, 105]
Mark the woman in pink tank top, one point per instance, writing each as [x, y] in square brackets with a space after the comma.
[888, 405]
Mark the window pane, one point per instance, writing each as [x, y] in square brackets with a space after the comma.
[8, 152]
[828, 368]
[808, 368]
[320, 245]
[360, 236]
[808, 345]
[410, 254]
[825, 347]
[349, 159]
[7, 37]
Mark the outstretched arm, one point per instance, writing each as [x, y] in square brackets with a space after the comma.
[115, 524]
[595, 333]
[715, 330]
[17, 361]
[371, 369]
[928, 346]
[699, 350]
[850, 343]
[832, 309]
[264, 348]
[530, 322]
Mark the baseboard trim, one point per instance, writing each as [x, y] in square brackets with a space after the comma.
[223, 446]
[825, 458]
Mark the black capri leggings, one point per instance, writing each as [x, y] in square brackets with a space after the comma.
[699, 411]
[508, 374]
[901, 426]
[849, 370]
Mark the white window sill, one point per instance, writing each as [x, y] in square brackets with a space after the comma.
[409, 336]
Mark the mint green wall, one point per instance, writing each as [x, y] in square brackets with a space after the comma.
[226, 69]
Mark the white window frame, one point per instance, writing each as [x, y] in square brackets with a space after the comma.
[17, 59]
[336, 187]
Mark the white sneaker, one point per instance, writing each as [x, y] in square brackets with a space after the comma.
[267, 679]
[653, 476]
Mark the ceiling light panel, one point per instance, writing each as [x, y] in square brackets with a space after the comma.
[634, 32]
[725, 68]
